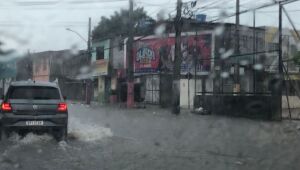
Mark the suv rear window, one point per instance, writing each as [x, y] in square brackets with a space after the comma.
[33, 93]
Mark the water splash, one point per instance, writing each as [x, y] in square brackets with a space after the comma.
[63, 145]
[30, 138]
[88, 132]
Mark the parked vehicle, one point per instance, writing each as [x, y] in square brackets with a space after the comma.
[34, 106]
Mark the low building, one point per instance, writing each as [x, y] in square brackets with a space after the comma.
[62, 66]
[100, 62]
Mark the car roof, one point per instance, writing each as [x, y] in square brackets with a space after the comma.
[34, 83]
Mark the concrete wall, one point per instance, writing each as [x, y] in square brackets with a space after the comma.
[187, 91]
[257, 106]
[294, 102]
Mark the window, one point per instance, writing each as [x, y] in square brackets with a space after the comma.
[99, 53]
[33, 92]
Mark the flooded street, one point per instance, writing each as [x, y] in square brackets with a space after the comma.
[115, 138]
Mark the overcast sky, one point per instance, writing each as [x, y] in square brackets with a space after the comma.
[40, 25]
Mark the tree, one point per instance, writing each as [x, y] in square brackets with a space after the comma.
[117, 25]
[7, 66]
[296, 58]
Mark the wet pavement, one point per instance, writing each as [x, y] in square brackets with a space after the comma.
[109, 137]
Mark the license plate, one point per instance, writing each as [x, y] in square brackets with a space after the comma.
[34, 123]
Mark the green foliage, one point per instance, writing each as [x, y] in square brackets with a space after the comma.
[296, 58]
[118, 24]
[7, 67]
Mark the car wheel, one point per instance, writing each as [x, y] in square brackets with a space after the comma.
[62, 134]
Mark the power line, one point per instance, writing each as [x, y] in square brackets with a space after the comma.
[95, 1]
[46, 3]
[63, 8]
[256, 8]
[151, 4]
[275, 11]
[209, 5]
[291, 22]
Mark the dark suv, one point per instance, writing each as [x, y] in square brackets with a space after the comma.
[34, 106]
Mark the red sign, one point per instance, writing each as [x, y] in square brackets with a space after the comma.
[157, 54]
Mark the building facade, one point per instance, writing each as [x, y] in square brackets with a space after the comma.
[62, 66]
[208, 58]
[290, 48]
[101, 52]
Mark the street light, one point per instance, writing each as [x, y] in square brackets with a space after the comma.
[68, 29]
[87, 98]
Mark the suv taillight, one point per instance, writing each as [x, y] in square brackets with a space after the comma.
[5, 106]
[62, 107]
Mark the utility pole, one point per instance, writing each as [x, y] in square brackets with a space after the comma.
[89, 89]
[254, 51]
[237, 47]
[3, 86]
[280, 66]
[177, 61]
[130, 76]
[89, 40]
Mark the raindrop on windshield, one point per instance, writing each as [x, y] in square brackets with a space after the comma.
[74, 49]
[227, 54]
[224, 75]
[258, 66]
[160, 30]
[222, 50]
[84, 69]
[219, 30]
[244, 62]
